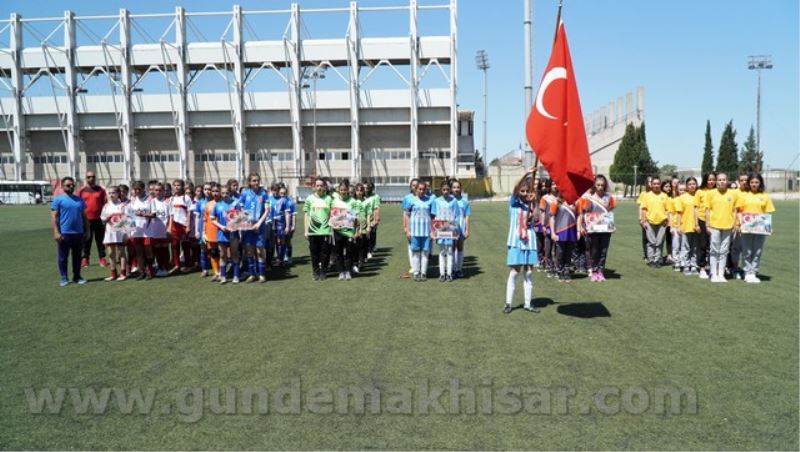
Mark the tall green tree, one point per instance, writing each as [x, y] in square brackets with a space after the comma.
[750, 158]
[621, 171]
[647, 166]
[728, 154]
[708, 152]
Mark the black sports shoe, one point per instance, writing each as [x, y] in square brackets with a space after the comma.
[442, 278]
[507, 309]
[448, 278]
[323, 275]
[316, 276]
[423, 277]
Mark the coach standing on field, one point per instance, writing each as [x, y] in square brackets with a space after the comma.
[70, 229]
[94, 197]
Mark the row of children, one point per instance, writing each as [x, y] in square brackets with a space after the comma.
[701, 225]
[444, 219]
[192, 226]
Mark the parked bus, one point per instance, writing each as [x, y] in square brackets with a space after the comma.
[25, 192]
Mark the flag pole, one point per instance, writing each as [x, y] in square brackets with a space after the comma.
[555, 36]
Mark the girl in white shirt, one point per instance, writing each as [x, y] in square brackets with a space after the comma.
[115, 212]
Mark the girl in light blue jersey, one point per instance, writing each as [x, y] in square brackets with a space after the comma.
[521, 243]
[463, 227]
[417, 222]
[445, 208]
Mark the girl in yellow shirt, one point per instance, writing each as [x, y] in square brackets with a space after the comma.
[709, 183]
[688, 227]
[720, 221]
[755, 201]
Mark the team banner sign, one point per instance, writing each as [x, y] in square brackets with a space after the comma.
[342, 218]
[444, 229]
[239, 220]
[122, 223]
[756, 223]
[599, 222]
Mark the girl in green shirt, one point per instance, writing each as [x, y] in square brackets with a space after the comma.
[317, 229]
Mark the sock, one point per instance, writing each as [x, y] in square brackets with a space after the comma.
[215, 265]
[713, 267]
[460, 260]
[442, 262]
[415, 257]
[411, 259]
[203, 261]
[282, 253]
[527, 285]
[449, 262]
[510, 286]
[222, 264]
[424, 263]
[251, 265]
[288, 251]
[262, 269]
[235, 270]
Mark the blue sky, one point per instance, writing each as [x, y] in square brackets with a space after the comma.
[691, 57]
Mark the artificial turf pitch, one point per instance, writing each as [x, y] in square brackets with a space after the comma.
[734, 346]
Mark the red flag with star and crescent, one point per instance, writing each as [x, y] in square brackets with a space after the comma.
[555, 129]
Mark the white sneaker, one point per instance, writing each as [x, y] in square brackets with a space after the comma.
[223, 280]
[752, 279]
[356, 270]
[134, 269]
[262, 279]
[341, 276]
[369, 255]
[235, 280]
[703, 274]
[347, 276]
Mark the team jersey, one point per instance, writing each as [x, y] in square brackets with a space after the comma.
[406, 200]
[254, 202]
[673, 214]
[418, 212]
[722, 207]
[210, 230]
[595, 204]
[361, 209]
[372, 203]
[655, 206]
[278, 212]
[291, 207]
[700, 203]
[544, 209]
[157, 226]
[445, 208]
[521, 231]
[684, 205]
[109, 210]
[179, 209]
[138, 208]
[199, 211]
[565, 217]
[464, 211]
[349, 205]
[221, 209]
[750, 202]
[318, 211]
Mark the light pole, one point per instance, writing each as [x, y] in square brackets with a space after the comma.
[634, 179]
[757, 63]
[482, 60]
[316, 74]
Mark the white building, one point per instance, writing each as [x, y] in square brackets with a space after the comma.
[388, 134]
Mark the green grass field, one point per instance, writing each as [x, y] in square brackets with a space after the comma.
[735, 346]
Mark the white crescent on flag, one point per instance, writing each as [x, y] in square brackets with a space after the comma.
[551, 76]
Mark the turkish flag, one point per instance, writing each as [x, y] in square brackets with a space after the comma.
[555, 129]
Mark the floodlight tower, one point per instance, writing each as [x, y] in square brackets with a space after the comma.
[482, 61]
[757, 63]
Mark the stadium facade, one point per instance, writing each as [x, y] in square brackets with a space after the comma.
[290, 133]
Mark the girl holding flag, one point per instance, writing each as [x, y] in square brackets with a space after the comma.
[521, 243]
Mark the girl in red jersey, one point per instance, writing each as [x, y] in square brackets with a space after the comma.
[178, 225]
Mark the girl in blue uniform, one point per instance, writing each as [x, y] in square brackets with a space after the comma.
[463, 227]
[521, 243]
[417, 215]
[445, 208]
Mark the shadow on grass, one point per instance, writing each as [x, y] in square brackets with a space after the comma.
[584, 310]
[538, 303]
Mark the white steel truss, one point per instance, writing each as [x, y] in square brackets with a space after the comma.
[126, 63]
